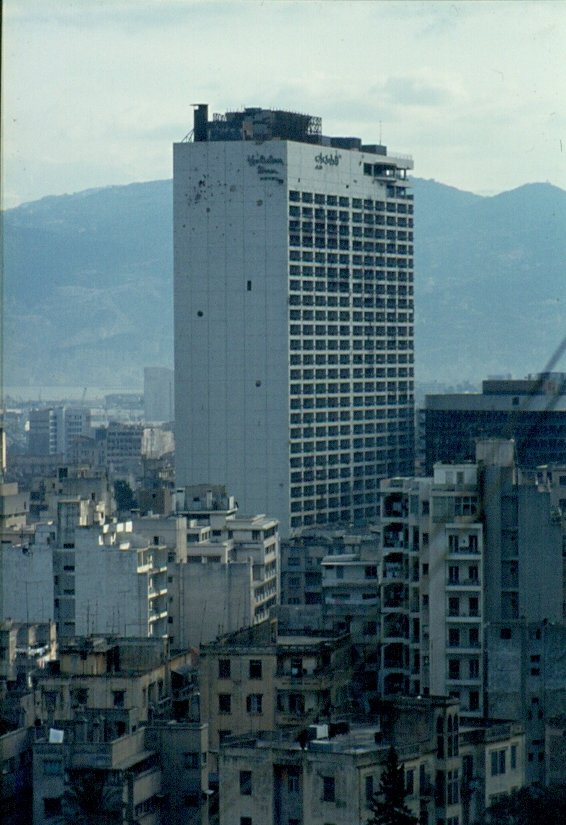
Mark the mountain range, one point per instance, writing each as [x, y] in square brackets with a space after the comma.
[88, 285]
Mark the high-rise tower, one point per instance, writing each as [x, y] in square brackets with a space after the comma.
[293, 315]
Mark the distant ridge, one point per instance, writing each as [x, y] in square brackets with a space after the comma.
[88, 287]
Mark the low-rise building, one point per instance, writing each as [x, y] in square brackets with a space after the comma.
[332, 774]
[526, 681]
[79, 775]
[231, 576]
[493, 764]
[156, 775]
[26, 576]
[110, 580]
[123, 682]
[259, 679]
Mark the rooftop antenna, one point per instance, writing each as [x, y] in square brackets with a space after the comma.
[380, 125]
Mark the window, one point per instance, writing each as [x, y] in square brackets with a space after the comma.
[254, 702]
[452, 788]
[79, 696]
[453, 668]
[52, 805]
[369, 788]
[410, 782]
[498, 762]
[224, 668]
[293, 779]
[246, 783]
[224, 703]
[474, 666]
[474, 700]
[245, 820]
[453, 637]
[328, 789]
[191, 759]
[505, 633]
[118, 696]
[513, 757]
[223, 734]
[255, 669]
[52, 767]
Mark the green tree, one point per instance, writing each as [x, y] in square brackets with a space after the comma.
[532, 805]
[124, 496]
[388, 805]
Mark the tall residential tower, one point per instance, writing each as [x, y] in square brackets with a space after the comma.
[293, 316]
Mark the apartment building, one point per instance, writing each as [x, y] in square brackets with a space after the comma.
[230, 579]
[430, 574]
[333, 773]
[52, 430]
[262, 679]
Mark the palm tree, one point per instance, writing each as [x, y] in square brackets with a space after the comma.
[90, 800]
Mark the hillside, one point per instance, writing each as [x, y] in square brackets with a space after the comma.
[88, 283]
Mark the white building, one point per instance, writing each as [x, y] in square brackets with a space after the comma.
[293, 316]
[53, 430]
[112, 581]
[26, 576]
[229, 578]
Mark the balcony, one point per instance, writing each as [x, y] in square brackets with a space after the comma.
[319, 680]
[394, 571]
[454, 584]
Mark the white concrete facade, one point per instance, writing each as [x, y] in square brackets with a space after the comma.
[282, 295]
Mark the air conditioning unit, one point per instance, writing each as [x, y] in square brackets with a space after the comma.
[317, 732]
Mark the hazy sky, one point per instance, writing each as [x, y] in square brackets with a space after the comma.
[95, 91]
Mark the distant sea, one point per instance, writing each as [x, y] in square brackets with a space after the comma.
[36, 392]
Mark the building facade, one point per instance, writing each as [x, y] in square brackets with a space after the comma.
[293, 316]
[532, 411]
[157, 394]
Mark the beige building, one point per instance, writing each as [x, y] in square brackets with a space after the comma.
[450, 773]
[332, 777]
[260, 679]
[122, 683]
